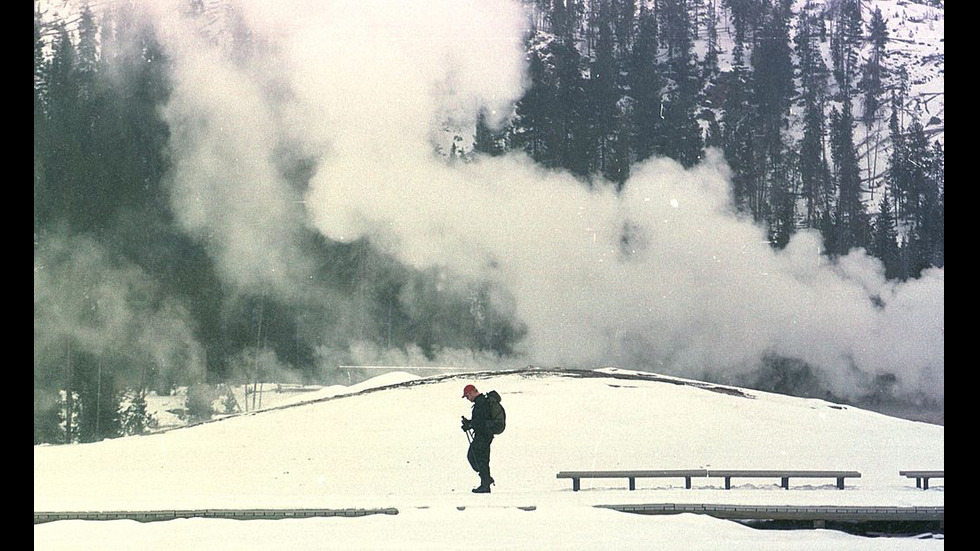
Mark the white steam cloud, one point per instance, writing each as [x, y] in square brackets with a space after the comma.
[94, 304]
[663, 276]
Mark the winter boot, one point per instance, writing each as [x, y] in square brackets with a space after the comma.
[484, 487]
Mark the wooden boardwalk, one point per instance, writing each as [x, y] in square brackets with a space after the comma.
[234, 514]
[816, 513]
[722, 511]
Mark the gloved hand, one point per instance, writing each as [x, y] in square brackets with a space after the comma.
[466, 425]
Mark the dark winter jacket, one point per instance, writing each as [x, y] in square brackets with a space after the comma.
[481, 418]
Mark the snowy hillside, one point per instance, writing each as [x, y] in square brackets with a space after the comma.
[916, 46]
[918, 43]
[914, 62]
[400, 445]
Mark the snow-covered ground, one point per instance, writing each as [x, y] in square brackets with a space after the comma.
[169, 411]
[400, 446]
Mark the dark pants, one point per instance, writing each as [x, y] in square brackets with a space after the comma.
[479, 457]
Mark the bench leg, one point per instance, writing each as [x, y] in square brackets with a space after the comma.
[687, 482]
[575, 485]
[840, 483]
[632, 483]
[728, 483]
[925, 483]
[785, 483]
[918, 482]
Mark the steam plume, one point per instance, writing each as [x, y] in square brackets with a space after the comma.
[664, 276]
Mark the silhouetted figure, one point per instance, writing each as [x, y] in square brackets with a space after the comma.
[482, 435]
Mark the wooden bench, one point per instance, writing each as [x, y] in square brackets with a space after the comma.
[784, 476]
[688, 474]
[922, 477]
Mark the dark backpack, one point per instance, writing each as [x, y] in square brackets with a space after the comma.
[498, 417]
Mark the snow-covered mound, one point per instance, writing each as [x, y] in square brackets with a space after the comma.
[395, 442]
[403, 444]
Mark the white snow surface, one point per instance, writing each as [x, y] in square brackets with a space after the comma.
[398, 444]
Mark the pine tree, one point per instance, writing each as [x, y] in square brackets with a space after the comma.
[624, 24]
[76, 158]
[814, 171]
[676, 29]
[926, 203]
[920, 190]
[899, 177]
[98, 400]
[87, 66]
[552, 121]
[744, 16]
[564, 17]
[936, 173]
[828, 231]
[572, 120]
[772, 90]
[845, 43]
[851, 218]
[646, 87]
[62, 155]
[605, 95]
[683, 139]
[740, 144]
[713, 52]
[135, 417]
[871, 84]
[782, 210]
[135, 132]
[96, 197]
[617, 168]
[531, 129]
[772, 71]
[885, 245]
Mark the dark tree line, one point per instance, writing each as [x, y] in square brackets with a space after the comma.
[98, 163]
[614, 82]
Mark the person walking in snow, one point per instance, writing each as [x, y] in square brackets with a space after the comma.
[479, 451]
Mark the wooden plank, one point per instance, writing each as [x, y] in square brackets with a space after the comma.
[631, 476]
[930, 474]
[637, 473]
[688, 474]
[771, 473]
[666, 473]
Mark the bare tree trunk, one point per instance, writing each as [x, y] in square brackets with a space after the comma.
[98, 398]
[258, 351]
[874, 165]
[69, 401]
